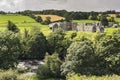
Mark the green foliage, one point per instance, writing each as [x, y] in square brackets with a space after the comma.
[80, 57]
[92, 17]
[47, 21]
[39, 19]
[104, 20]
[83, 77]
[43, 71]
[73, 35]
[33, 44]
[9, 49]
[94, 58]
[58, 43]
[108, 50]
[13, 75]
[51, 67]
[12, 27]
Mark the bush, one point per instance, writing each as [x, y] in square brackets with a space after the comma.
[9, 49]
[80, 58]
[33, 45]
[12, 27]
[12, 75]
[43, 71]
[108, 52]
[57, 42]
[51, 68]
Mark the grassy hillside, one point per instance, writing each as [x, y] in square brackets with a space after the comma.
[22, 22]
[53, 17]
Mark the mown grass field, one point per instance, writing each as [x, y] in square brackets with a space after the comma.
[22, 22]
[85, 21]
[53, 17]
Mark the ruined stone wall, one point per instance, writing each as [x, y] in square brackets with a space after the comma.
[68, 26]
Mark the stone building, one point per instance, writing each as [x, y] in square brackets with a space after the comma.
[93, 27]
[72, 26]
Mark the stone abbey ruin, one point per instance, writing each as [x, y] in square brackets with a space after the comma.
[72, 26]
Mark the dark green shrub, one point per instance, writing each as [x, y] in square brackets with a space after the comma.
[108, 52]
[43, 71]
[9, 49]
[12, 27]
[51, 68]
[33, 45]
[80, 58]
[56, 42]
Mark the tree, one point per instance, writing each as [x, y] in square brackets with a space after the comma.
[108, 51]
[80, 58]
[104, 20]
[93, 17]
[38, 46]
[52, 64]
[9, 49]
[34, 45]
[12, 27]
[56, 42]
[39, 19]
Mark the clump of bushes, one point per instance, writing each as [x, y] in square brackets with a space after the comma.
[51, 68]
[87, 57]
[9, 49]
[12, 75]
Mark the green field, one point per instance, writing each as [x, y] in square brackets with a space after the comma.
[84, 21]
[23, 22]
[117, 20]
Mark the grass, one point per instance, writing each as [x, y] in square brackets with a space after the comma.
[117, 20]
[22, 22]
[82, 77]
[19, 20]
[53, 17]
[110, 30]
[84, 21]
